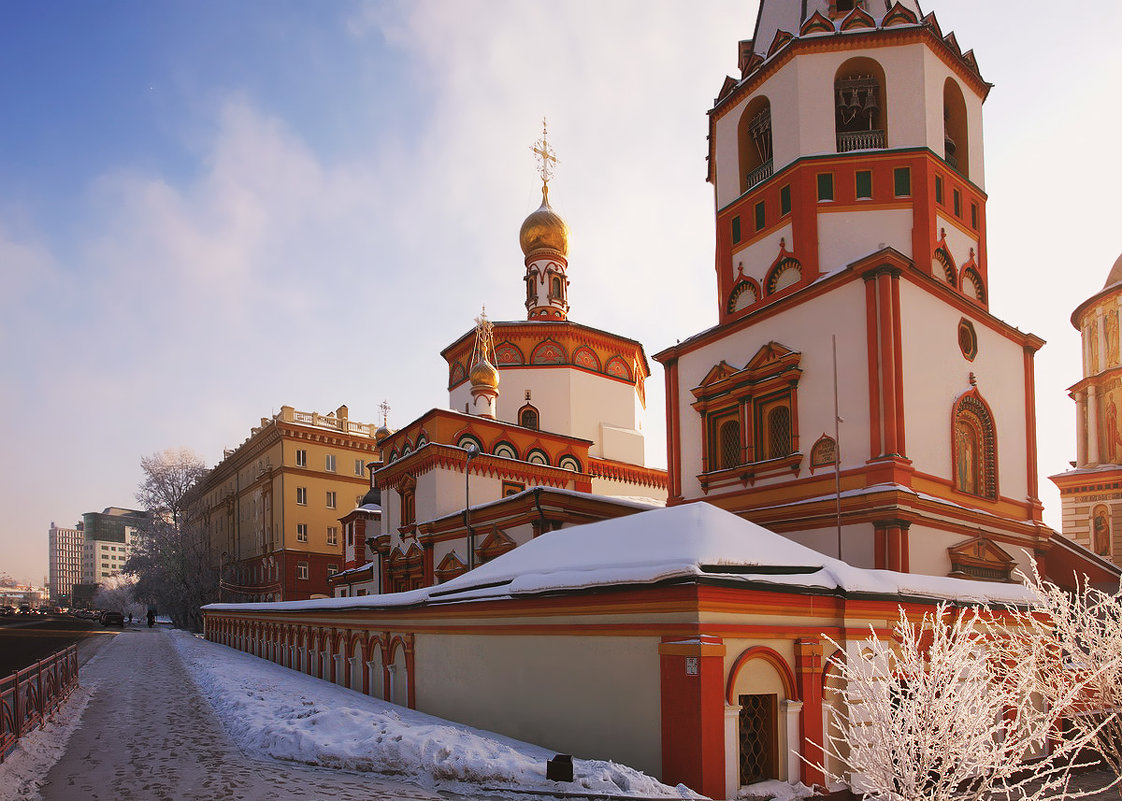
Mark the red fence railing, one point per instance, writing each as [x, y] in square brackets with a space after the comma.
[30, 696]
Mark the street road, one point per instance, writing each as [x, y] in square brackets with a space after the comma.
[25, 639]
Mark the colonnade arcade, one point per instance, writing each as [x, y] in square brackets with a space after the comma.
[377, 663]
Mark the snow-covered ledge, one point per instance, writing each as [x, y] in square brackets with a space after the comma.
[793, 711]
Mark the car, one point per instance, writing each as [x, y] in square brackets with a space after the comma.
[6, 610]
[112, 619]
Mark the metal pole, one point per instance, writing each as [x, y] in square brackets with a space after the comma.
[837, 447]
[472, 451]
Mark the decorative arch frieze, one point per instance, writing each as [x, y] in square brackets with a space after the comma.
[549, 352]
[507, 353]
[744, 294]
[585, 357]
[618, 368]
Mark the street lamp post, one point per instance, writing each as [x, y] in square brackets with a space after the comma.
[471, 451]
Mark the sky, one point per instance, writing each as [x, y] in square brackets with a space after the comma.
[211, 209]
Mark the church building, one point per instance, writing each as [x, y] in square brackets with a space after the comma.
[855, 434]
[856, 393]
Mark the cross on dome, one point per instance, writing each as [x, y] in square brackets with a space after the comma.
[547, 159]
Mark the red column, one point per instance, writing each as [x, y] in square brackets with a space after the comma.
[693, 713]
[871, 327]
[887, 360]
[808, 671]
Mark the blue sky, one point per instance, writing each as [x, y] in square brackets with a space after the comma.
[337, 189]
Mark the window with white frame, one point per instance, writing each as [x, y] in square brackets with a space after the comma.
[302, 496]
[332, 535]
[301, 532]
[360, 467]
[301, 458]
[331, 499]
[302, 570]
[329, 463]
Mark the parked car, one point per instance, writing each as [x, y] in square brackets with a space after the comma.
[112, 619]
[6, 610]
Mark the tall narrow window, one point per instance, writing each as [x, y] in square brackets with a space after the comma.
[902, 181]
[859, 112]
[778, 430]
[528, 417]
[825, 186]
[329, 463]
[956, 143]
[728, 443]
[761, 219]
[759, 738]
[735, 230]
[301, 458]
[864, 184]
[755, 143]
[408, 508]
[974, 447]
[785, 201]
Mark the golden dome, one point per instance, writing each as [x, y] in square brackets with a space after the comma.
[544, 230]
[484, 374]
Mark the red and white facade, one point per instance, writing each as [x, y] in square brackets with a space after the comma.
[848, 171]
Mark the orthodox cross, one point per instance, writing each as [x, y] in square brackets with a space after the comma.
[547, 160]
[385, 407]
[484, 339]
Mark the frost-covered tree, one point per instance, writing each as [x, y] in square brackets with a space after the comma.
[172, 560]
[940, 713]
[1084, 629]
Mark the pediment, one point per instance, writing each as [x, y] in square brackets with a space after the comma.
[983, 550]
[898, 15]
[769, 354]
[718, 372]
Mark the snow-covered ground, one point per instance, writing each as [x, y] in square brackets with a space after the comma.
[273, 711]
[140, 727]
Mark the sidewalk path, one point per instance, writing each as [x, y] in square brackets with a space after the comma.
[149, 735]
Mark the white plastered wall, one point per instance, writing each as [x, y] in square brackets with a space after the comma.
[959, 243]
[561, 692]
[927, 551]
[936, 372]
[846, 236]
[858, 543]
[757, 258]
[806, 328]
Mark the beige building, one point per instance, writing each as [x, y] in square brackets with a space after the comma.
[272, 507]
[64, 556]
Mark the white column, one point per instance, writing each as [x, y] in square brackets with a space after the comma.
[792, 710]
[1092, 426]
[340, 677]
[1080, 429]
[732, 751]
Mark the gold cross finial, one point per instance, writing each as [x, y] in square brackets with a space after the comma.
[484, 339]
[385, 407]
[547, 161]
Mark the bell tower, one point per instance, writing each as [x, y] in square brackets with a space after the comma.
[855, 125]
[855, 393]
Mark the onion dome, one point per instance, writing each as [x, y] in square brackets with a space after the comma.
[1115, 274]
[484, 374]
[544, 230]
[381, 433]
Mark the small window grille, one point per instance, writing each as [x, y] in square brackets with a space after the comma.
[729, 437]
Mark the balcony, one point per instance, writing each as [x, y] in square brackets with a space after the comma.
[861, 140]
[761, 173]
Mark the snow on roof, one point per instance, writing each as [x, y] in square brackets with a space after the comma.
[680, 542]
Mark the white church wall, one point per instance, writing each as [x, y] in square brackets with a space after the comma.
[756, 259]
[626, 489]
[846, 236]
[806, 328]
[959, 242]
[857, 543]
[936, 372]
[935, 74]
[561, 692]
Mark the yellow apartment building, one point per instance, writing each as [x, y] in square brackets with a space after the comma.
[271, 507]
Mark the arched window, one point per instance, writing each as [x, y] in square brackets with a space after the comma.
[974, 447]
[754, 132]
[556, 287]
[528, 417]
[860, 106]
[956, 135]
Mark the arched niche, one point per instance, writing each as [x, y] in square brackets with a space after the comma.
[860, 105]
[956, 131]
[754, 141]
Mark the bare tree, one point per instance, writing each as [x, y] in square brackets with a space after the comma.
[939, 713]
[1084, 628]
[172, 560]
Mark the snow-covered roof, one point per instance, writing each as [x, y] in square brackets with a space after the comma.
[682, 543]
[789, 16]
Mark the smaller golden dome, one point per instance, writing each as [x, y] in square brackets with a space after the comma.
[484, 374]
[544, 230]
[381, 433]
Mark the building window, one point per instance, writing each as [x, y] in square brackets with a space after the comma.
[556, 288]
[974, 216]
[974, 447]
[956, 142]
[332, 570]
[902, 181]
[301, 532]
[785, 201]
[329, 463]
[864, 184]
[826, 186]
[938, 189]
[331, 499]
[302, 571]
[408, 507]
[302, 496]
[332, 535]
[759, 746]
[725, 448]
[735, 230]
[360, 467]
[774, 425]
[528, 417]
[301, 458]
[760, 218]
[957, 203]
[754, 132]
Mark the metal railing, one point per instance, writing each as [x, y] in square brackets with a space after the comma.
[761, 173]
[29, 697]
[861, 140]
